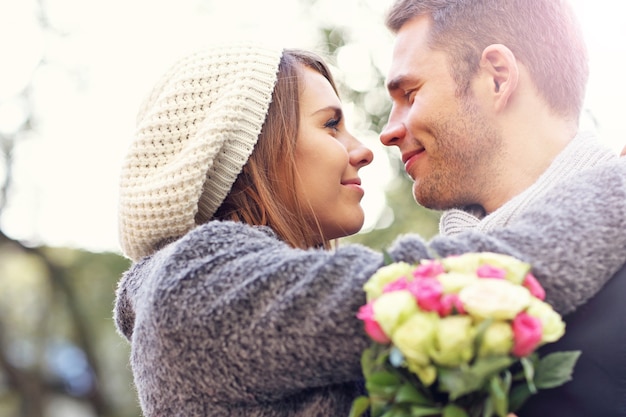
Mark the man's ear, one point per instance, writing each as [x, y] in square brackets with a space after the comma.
[500, 67]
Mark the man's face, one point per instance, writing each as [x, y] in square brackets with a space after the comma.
[449, 144]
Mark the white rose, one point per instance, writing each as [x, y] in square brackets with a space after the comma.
[494, 298]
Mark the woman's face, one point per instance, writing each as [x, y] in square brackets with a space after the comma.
[328, 159]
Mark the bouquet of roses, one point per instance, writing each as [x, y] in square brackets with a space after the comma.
[457, 337]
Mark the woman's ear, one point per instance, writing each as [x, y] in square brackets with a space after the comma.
[500, 67]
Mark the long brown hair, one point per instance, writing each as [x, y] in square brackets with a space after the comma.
[264, 192]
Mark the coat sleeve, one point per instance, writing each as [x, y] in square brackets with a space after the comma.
[234, 313]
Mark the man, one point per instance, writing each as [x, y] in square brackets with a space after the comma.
[487, 96]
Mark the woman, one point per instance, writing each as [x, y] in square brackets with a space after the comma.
[241, 174]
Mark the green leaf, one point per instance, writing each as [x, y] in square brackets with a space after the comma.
[359, 406]
[555, 369]
[373, 357]
[480, 332]
[396, 412]
[389, 413]
[529, 373]
[409, 394]
[453, 410]
[486, 367]
[382, 355]
[384, 378]
[378, 406]
[368, 361]
[461, 381]
[518, 396]
[508, 380]
[457, 382]
[383, 384]
[387, 259]
[488, 408]
[498, 392]
[418, 411]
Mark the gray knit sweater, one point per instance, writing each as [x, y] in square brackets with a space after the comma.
[230, 321]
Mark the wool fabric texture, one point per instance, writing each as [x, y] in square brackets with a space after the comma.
[195, 132]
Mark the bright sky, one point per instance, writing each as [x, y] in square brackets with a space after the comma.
[108, 54]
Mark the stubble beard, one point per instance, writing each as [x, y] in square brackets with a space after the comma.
[466, 148]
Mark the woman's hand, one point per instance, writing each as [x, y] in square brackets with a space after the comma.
[623, 152]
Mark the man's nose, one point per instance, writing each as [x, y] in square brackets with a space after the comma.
[392, 133]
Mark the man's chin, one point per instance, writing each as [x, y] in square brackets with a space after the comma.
[422, 198]
[430, 199]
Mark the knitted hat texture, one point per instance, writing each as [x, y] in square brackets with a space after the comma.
[195, 132]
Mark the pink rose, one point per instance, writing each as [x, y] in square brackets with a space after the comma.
[488, 271]
[427, 292]
[526, 334]
[428, 269]
[372, 328]
[534, 286]
[450, 303]
[397, 285]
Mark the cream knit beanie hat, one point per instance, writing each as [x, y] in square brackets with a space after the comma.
[195, 132]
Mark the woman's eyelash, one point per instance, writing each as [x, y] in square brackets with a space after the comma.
[332, 123]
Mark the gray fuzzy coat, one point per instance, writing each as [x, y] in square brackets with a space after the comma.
[230, 321]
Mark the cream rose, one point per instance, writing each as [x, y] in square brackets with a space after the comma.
[392, 309]
[494, 298]
[497, 339]
[385, 275]
[454, 341]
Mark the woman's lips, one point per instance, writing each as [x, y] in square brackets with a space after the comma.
[354, 184]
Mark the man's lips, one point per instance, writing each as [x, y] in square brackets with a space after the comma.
[410, 158]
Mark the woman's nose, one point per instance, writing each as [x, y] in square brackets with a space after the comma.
[360, 155]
